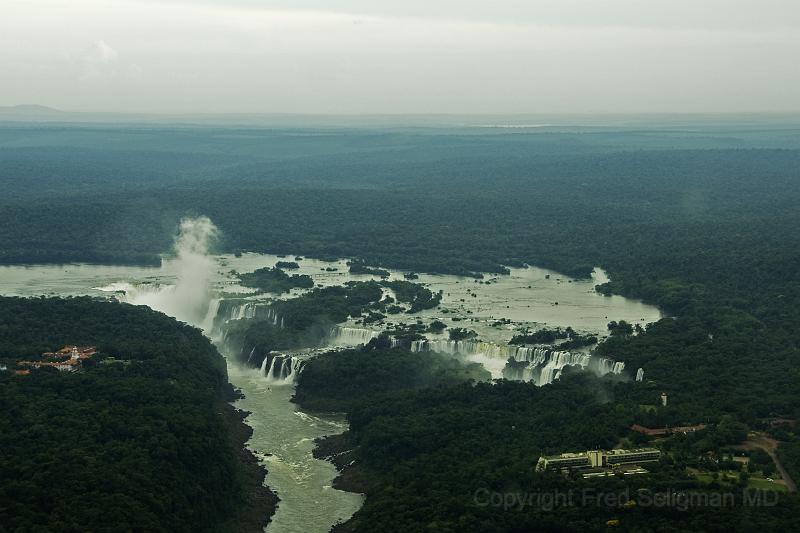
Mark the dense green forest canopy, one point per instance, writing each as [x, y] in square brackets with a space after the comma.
[263, 336]
[328, 305]
[275, 280]
[431, 455]
[336, 381]
[667, 223]
[415, 294]
[358, 267]
[701, 220]
[136, 440]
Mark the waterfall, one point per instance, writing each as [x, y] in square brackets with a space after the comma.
[604, 366]
[208, 322]
[418, 346]
[347, 336]
[531, 354]
[640, 374]
[242, 311]
[283, 369]
[555, 363]
[548, 375]
[273, 317]
[271, 372]
[292, 367]
[250, 357]
[526, 363]
[238, 309]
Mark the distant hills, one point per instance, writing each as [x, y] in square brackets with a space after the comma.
[35, 113]
[29, 108]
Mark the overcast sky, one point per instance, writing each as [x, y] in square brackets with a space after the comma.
[403, 56]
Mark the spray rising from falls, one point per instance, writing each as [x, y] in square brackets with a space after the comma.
[189, 298]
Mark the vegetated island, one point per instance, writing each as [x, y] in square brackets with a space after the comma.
[275, 280]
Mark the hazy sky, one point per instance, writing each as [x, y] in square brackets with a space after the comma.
[403, 56]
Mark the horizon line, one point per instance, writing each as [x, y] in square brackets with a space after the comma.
[46, 108]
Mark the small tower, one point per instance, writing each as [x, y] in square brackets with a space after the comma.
[664, 399]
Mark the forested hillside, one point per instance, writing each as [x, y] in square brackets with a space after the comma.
[141, 439]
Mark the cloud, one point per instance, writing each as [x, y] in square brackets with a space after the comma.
[100, 52]
[99, 60]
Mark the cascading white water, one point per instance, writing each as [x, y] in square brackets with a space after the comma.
[640, 374]
[348, 336]
[273, 317]
[604, 365]
[213, 309]
[242, 311]
[283, 368]
[224, 311]
[468, 347]
[419, 346]
[557, 361]
[544, 365]
[251, 310]
[271, 372]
